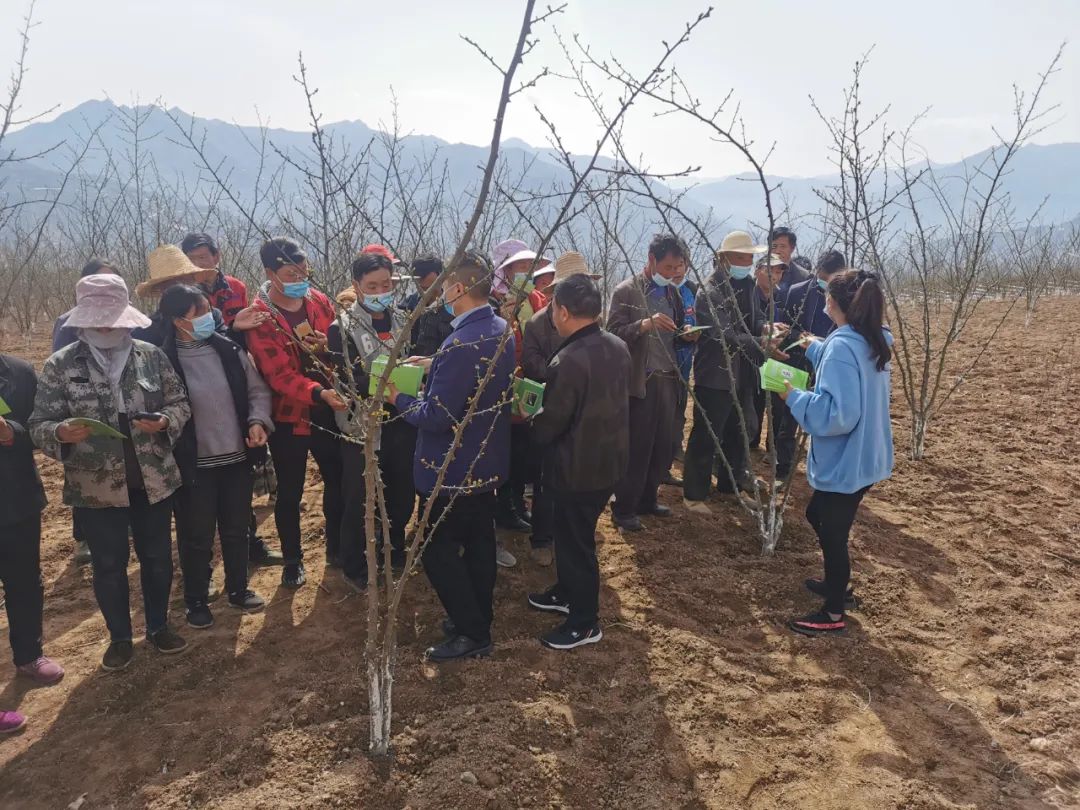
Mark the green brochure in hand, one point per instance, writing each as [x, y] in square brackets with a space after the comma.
[530, 395]
[96, 428]
[774, 374]
[406, 377]
[5, 409]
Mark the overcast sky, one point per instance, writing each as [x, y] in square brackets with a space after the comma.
[233, 60]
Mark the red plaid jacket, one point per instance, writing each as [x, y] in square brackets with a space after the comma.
[278, 359]
[229, 299]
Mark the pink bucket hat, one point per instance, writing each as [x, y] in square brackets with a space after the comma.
[101, 302]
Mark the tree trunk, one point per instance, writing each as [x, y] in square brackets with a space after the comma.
[380, 686]
[919, 425]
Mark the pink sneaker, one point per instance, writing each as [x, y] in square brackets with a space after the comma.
[11, 721]
[43, 671]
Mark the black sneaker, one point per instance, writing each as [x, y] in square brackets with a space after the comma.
[293, 575]
[358, 584]
[549, 600]
[247, 600]
[656, 510]
[117, 656]
[565, 639]
[199, 616]
[459, 647]
[449, 628]
[628, 524]
[261, 554]
[167, 641]
[818, 624]
[513, 522]
[817, 587]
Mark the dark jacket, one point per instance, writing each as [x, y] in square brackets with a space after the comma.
[804, 307]
[628, 309]
[430, 330]
[482, 461]
[585, 422]
[794, 274]
[23, 495]
[186, 450]
[730, 307]
[540, 343]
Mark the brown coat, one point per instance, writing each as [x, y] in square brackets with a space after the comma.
[628, 309]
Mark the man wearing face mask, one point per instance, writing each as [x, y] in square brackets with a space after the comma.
[725, 372]
[370, 328]
[290, 351]
[584, 428]
[804, 304]
[647, 313]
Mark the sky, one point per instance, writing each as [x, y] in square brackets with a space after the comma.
[957, 60]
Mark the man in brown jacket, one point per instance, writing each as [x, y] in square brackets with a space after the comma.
[647, 314]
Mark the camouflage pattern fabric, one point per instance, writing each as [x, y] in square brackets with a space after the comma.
[72, 385]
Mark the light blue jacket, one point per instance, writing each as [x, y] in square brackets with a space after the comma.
[846, 415]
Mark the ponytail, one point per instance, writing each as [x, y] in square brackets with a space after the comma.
[858, 294]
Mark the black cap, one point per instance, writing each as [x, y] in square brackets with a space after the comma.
[197, 240]
[280, 251]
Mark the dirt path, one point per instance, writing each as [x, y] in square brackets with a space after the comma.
[956, 687]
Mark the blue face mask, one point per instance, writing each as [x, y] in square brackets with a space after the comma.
[823, 284]
[660, 281]
[380, 302]
[202, 327]
[295, 289]
[449, 309]
[739, 273]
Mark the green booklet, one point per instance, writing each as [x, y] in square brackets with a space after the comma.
[774, 374]
[405, 376]
[528, 396]
[96, 428]
[5, 409]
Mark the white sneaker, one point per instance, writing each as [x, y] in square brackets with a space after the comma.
[697, 507]
[504, 557]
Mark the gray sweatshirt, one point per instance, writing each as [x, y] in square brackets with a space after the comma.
[217, 433]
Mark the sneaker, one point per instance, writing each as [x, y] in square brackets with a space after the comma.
[656, 510]
[697, 507]
[293, 575]
[117, 656]
[199, 616]
[564, 639]
[358, 584]
[513, 522]
[82, 553]
[247, 600]
[449, 628]
[818, 624]
[459, 647]
[10, 722]
[670, 480]
[166, 641]
[542, 555]
[817, 587]
[44, 671]
[549, 600]
[504, 558]
[261, 554]
[628, 524]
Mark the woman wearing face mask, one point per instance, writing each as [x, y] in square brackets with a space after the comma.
[215, 453]
[120, 475]
[369, 328]
[847, 418]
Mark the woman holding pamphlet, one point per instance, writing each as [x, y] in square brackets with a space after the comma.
[847, 419]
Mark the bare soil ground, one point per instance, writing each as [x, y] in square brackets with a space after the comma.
[957, 685]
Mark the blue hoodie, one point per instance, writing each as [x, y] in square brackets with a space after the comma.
[846, 415]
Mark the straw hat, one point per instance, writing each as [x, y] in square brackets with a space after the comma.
[101, 302]
[166, 263]
[740, 242]
[572, 263]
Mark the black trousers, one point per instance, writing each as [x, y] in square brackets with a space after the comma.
[652, 421]
[784, 430]
[543, 515]
[290, 453]
[219, 502]
[524, 468]
[107, 533]
[576, 566]
[24, 595]
[831, 515]
[395, 457]
[460, 561]
[716, 409]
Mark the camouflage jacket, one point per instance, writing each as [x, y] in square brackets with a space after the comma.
[72, 385]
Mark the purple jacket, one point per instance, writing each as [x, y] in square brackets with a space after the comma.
[460, 364]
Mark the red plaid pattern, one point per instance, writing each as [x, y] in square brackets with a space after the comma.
[277, 357]
[230, 300]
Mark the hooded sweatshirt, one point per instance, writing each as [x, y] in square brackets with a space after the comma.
[846, 415]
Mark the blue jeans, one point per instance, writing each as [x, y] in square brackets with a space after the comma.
[106, 531]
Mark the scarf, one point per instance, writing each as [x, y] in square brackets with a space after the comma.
[111, 352]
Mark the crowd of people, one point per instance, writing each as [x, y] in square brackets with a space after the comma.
[183, 415]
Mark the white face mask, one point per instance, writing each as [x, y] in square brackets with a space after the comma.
[105, 340]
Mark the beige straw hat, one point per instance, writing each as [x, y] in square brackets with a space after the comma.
[572, 263]
[166, 263]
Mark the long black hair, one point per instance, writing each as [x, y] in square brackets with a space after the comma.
[859, 296]
[177, 301]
